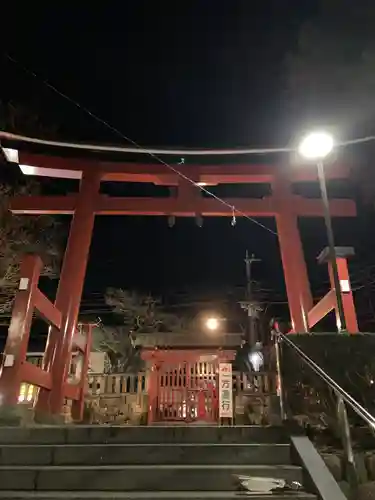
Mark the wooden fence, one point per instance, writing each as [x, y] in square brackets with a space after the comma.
[124, 397]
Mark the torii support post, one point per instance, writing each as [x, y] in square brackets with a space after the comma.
[17, 341]
[329, 302]
[294, 264]
[69, 292]
[84, 348]
[15, 368]
[342, 255]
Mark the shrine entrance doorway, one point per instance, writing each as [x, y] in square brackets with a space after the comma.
[187, 392]
[183, 385]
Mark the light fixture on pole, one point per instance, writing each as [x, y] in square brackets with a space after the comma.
[212, 323]
[316, 147]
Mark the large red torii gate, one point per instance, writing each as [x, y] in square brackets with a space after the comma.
[186, 200]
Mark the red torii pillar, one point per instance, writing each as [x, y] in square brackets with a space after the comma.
[294, 264]
[69, 292]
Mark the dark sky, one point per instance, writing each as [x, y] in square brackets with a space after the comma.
[188, 73]
[196, 73]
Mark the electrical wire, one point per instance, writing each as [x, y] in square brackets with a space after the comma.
[360, 140]
[155, 152]
[138, 149]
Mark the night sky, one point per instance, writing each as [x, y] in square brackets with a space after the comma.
[186, 73]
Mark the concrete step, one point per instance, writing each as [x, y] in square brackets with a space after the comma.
[135, 477]
[144, 454]
[141, 434]
[147, 495]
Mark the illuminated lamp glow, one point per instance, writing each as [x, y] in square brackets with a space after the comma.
[316, 146]
[212, 323]
[202, 184]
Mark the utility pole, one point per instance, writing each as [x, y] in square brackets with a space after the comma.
[249, 304]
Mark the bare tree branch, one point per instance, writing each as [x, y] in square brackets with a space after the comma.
[24, 234]
[140, 314]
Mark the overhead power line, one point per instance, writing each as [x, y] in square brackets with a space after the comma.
[138, 149]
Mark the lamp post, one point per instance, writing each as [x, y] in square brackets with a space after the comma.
[316, 147]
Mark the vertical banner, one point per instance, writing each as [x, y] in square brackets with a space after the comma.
[225, 391]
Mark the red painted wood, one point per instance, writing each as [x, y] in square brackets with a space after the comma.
[347, 296]
[54, 166]
[19, 331]
[68, 297]
[292, 256]
[79, 404]
[209, 207]
[322, 308]
[187, 391]
[328, 302]
[46, 309]
[33, 374]
[180, 386]
[17, 370]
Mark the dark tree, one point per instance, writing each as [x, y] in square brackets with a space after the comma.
[24, 234]
[139, 314]
[20, 235]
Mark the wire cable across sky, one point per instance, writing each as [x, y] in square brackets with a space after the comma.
[138, 148]
[155, 152]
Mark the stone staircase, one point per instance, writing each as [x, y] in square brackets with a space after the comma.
[102, 462]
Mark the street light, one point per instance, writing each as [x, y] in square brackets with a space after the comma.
[212, 323]
[317, 146]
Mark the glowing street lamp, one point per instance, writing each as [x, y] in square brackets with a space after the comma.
[212, 324]
[316, 147]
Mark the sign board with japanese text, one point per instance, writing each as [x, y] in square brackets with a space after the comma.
[225, 391]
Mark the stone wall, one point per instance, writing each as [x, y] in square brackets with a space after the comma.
[365, 465]
[122, 409]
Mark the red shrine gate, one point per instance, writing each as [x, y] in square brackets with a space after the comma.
[186, 201]
[183, 384]
[186, 392]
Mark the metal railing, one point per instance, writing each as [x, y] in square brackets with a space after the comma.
[343, 400]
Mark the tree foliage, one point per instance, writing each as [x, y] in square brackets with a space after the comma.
[139, 314]
[143, 313]
[24, 234]
[20, 235]
[331, 75]
[346, 359]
